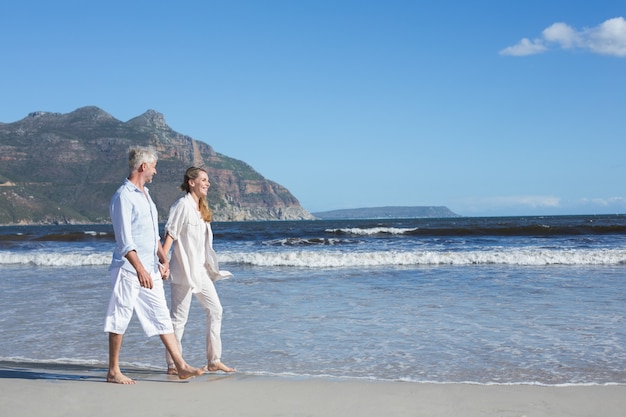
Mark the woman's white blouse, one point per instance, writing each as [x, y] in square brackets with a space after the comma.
[193, 258]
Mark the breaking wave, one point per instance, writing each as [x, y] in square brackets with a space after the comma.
[519, 257]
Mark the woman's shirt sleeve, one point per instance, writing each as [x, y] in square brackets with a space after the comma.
[175, 220]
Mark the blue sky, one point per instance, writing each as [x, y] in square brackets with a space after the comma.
[486, 107]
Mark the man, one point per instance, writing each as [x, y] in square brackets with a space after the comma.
[138, 268]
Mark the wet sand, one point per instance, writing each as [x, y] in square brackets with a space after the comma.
[80, 391]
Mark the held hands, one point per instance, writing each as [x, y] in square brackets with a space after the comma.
[164, 269]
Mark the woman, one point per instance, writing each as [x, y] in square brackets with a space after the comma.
[194, 266]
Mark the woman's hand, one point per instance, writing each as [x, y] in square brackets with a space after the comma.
[165, 270]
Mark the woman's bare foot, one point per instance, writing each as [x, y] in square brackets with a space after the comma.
[172, 371]
[119, 378]
[189, 372]
[219, 366]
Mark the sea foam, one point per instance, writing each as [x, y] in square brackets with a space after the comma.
[338, 258]
[519, 257]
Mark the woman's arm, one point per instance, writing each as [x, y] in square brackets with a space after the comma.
[163, 250]
[167, 244]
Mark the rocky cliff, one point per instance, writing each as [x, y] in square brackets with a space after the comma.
[64, 168]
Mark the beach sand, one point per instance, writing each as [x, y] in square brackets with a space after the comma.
[50, 392]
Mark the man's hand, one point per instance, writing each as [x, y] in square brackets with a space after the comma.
[145, 280]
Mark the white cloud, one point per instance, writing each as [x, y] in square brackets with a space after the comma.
[562, 34]
[608, 38]
[537, 205]
[618, 202]
[533, 201]
[506, 204]
[525, 47]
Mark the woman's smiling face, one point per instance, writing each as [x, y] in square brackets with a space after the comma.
[200, 185]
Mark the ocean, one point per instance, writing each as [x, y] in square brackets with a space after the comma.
[512, 300]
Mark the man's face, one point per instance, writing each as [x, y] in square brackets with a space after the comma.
[149, 171]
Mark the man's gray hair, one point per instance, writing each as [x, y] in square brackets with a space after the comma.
[140, 154]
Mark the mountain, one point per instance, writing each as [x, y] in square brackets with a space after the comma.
[387, 213]
[64, 168]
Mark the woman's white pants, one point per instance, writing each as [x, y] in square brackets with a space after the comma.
[210, 302]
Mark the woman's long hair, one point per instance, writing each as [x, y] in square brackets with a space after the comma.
[191, 174]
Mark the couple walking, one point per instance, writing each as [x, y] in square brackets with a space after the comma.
[140, 264]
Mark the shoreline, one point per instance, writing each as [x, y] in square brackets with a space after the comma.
[85, 370]
[79, 390]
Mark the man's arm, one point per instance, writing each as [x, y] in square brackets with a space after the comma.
[121, 217]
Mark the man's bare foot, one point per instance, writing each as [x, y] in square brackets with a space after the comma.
[190, 372]
[219, 366]
[172, 371]
[119, 378]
